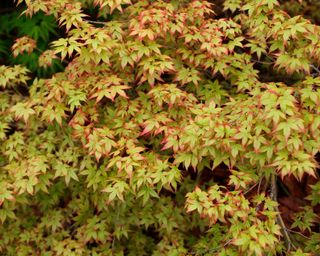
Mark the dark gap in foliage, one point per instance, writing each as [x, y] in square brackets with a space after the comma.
[92, 244]
[317, 158]
[153, 233]
[219, 175]
[308, 9]
[267, 74]
[292, 195]
[7, 6]
[167, 77]
[218, 8]
[12, 128]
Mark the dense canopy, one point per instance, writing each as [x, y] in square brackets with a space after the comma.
[153, 127]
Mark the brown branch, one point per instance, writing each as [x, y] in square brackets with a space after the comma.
[274, 197]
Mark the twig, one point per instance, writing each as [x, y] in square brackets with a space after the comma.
[315, 68]
[263, 62]
[96, 22]
[252, 187]
[274, 195]
[113, 239]
[259, 185]
[228, 242]
[299, 233]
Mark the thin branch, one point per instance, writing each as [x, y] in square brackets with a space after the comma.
[228, 242]
[299, 233]
[315, 69]
[259, 186]
[272, 61]
[96, 22]
[113, 238]
[263, 62]
[252, 187]
[274, 197]
[40, 51]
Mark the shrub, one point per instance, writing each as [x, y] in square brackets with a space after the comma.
[174, 129]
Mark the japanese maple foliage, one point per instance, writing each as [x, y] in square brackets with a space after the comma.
[169, 132]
